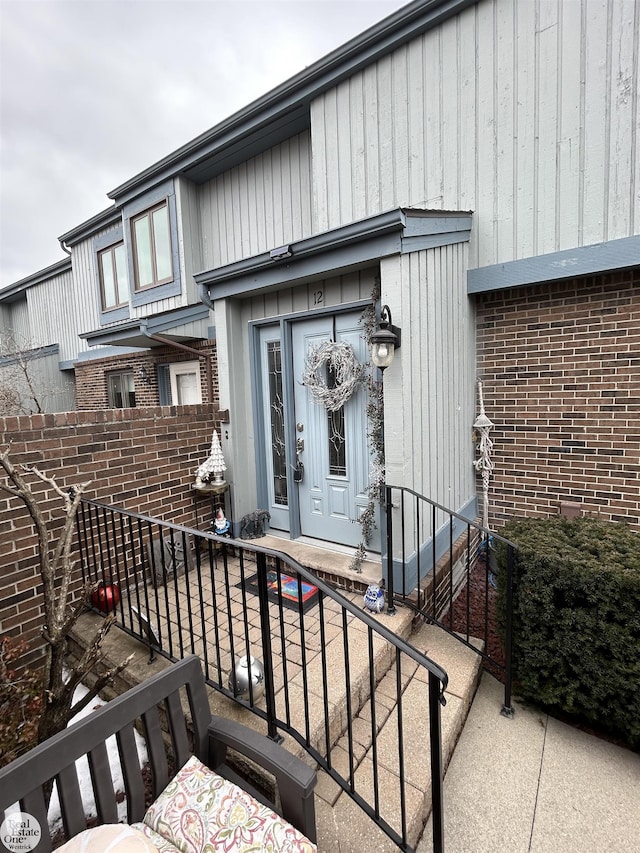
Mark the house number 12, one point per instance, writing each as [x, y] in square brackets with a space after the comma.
[318, 297]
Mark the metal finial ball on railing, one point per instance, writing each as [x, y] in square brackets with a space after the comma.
[244, 672]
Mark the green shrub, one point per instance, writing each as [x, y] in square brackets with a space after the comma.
[576, 619]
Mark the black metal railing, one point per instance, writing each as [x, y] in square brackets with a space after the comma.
[329, 667]
[440, 563]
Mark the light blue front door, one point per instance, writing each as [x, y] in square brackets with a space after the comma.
[332, 446]
[324, 496]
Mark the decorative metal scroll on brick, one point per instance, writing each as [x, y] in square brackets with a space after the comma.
[167, 558]
[484, 463]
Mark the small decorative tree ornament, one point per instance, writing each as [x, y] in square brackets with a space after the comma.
[212, 469]
[248, 670]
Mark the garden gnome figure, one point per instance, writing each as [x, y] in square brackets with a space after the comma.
[221, 524]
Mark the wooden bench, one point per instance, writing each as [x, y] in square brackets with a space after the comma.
[208, 738]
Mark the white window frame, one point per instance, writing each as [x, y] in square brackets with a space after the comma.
[181, 368]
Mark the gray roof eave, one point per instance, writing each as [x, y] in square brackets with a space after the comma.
[90, 226]
[298, 92]
[12, 291]
[137, 332]
[351, 246]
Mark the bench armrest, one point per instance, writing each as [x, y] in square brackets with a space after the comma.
[295, 779]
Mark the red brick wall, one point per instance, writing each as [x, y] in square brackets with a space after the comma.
[91, 376]
[560, 365]
[142, 459]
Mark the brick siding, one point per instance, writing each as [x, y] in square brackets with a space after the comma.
[142, 459]
[92, 390]
[560, 365]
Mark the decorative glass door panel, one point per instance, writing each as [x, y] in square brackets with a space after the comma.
[274, 425]
[276, 411]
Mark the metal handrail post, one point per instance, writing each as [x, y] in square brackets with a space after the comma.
[435, 735]
[267, 655]
[507, 708]
[388, 512]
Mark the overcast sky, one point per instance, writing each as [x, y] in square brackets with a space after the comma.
[94, 91]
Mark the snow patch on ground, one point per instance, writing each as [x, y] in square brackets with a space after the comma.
[84, 776]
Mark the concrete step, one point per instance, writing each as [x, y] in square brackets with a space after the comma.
[329, 563]
[337, 815]
[342, 825]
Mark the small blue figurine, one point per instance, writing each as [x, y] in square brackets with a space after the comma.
[374, 598]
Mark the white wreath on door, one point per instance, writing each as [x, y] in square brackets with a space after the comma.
[341, 360]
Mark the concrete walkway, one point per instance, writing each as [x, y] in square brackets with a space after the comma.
[535, 784]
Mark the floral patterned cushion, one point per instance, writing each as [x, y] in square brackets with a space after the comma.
[158, 842]
[200, 812]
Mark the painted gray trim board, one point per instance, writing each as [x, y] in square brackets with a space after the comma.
[569, 263]
[37, 352]
[105, 352]
[85, 229]
[140, 329]
[342, 249]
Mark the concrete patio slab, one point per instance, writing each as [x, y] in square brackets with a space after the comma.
[534, 785]
[589, 795]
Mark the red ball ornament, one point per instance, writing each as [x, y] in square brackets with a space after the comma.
[106, 597]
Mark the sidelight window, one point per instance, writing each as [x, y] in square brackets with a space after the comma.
[276, 410]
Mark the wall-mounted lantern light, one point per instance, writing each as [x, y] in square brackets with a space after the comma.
[385, 340]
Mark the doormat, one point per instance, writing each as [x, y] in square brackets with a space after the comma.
[288, 588]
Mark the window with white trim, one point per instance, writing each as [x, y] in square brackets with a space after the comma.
[152, 250]
[185, 383]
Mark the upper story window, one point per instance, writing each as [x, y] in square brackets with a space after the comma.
[112, 267]
[152, 251]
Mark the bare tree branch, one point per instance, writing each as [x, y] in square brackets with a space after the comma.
[101, 682]
[56, 572]
[24, 389]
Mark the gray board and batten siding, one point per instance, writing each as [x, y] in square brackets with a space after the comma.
[513, 110]
[430, 387]
[257, 205]
[40, 313]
